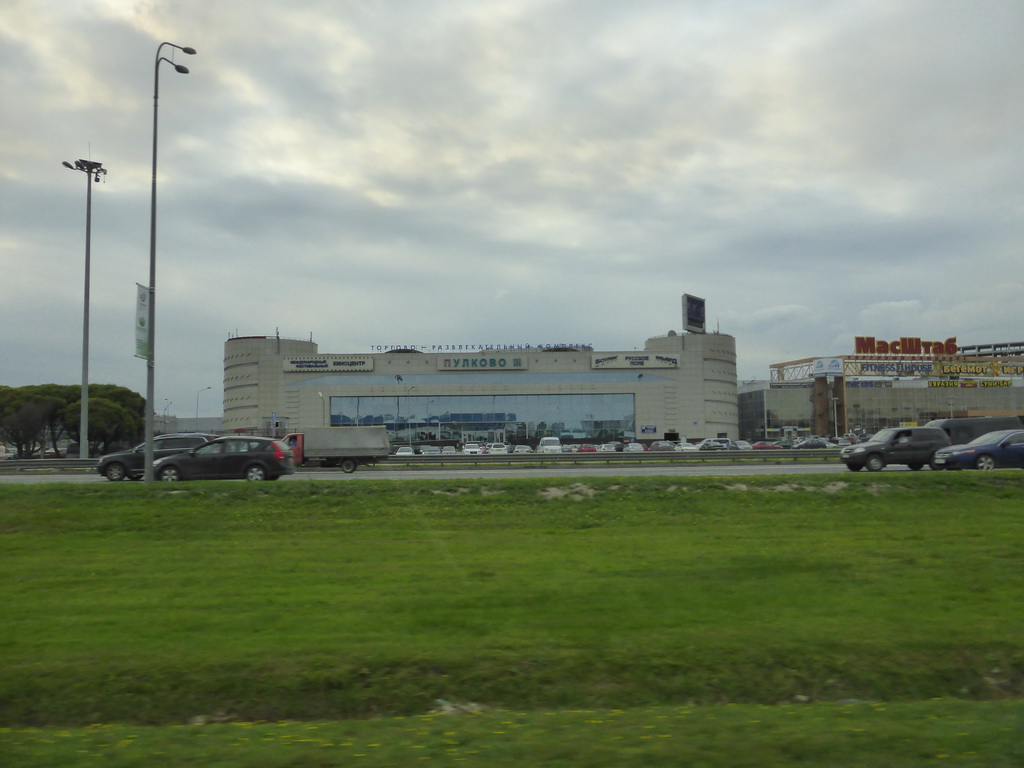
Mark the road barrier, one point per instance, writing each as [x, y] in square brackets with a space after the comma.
[776, 456]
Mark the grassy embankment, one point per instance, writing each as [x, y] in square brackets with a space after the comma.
[319, 601]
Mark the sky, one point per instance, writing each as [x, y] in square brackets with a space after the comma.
[431, 172]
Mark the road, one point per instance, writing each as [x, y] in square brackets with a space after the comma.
[448, 473]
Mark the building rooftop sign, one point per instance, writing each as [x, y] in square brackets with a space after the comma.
[328, 364]
[634, 360]
[905, 345]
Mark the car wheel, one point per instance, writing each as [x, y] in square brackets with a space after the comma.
[170, 474]
[874, 463]
[115, 471]
[985, 462]
[855, 467]
[255, 472]
[348, 465]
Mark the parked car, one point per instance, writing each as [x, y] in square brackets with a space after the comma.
[995, 450]
[913, 446]
[588, 448]
[472, 449]
[405, 450]
[132, 464]
[495, 449]
[448, 450]
[685, 446]
[662, 445]
[814, 443]
[522, 449]
[714, 444]
[430, 450]
[607, 448]
[761, 445]
[228, 458]
[742, 445]
[634, 448]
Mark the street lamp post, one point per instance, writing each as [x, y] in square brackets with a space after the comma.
[151, 319]
[197, 399]
[92, 170]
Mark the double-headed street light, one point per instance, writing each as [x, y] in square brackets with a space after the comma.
[92, 170]
[151, 319]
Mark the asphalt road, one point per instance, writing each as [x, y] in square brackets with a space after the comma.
[448, 473]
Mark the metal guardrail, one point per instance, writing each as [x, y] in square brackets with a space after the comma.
[776, 456]
[47, 465]
[607, 457]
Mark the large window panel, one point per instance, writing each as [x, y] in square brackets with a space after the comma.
[490, 417]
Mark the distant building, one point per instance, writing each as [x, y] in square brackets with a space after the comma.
[680, 386]
[906, 381]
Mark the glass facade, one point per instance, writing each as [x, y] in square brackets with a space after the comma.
[490, 418]
[871, 405]
[777, 412]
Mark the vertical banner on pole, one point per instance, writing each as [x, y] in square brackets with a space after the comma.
[142, 321]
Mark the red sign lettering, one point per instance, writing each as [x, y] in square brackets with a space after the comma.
[905, 345]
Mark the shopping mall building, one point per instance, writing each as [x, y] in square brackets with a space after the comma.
[679, 386]
[883, 383]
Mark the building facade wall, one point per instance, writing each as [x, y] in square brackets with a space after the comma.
[679, 384]
[771, 410]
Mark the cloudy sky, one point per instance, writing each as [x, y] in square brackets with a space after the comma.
[417, 172]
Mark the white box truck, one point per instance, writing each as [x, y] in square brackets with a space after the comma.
[345, 447]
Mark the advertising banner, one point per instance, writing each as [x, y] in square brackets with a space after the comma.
[634, 360]
[328, 364]
[141, 321]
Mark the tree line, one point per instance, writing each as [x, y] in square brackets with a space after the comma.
[37, 419]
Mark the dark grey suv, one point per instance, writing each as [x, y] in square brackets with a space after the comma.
[132, 464]
[912, 446]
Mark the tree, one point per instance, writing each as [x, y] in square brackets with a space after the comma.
[34, 415]
[54, 399]
[109, 422]
[22, 422]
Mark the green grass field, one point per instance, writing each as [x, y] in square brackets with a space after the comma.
[847, 616]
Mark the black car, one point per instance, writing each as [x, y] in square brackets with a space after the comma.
[229, 458]
[132, 464]
[913, 446]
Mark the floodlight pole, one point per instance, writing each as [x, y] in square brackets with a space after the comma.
[92, 170]
[151, 319]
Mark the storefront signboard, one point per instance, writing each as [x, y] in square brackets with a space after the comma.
[634, 360]
[329, 364]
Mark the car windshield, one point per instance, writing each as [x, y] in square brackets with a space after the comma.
[991, 437]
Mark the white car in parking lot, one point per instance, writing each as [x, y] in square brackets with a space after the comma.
[472, 448]
[495, 449]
